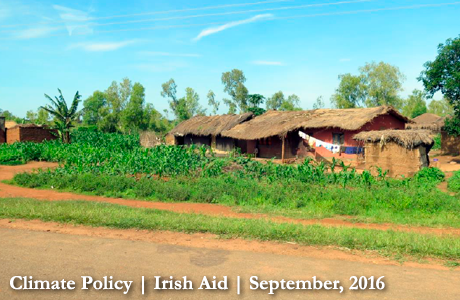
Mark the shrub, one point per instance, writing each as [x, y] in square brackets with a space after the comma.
[429, 175]
[453, 183]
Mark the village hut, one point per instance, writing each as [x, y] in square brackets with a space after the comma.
[427, 121]
[149, 139]
[401, 152]
[434, 123]
[29, 133]
[206, 130]
[275, 134]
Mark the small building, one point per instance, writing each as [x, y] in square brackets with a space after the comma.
[29, 133]
[427, 121]
[206, 130]
[275, 134]
[401, 152]
[434, 123]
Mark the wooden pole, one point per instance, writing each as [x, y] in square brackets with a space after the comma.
[282, 151]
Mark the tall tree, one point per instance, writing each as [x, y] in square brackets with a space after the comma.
[443, 74]
[254, 101]
[92, 108]
[319, 103]
[275, 101]
[183, 108]
[279, 102]
[350, 93]
[132, 117]
[414, 105]
[192, 103]
[440, 107]
[43, 117]
[10, 117]
[116, 97]
[64, 116]
[383, 83]
[233, 82]
[31, 116]
[291, 103]
[169, 91]
[155, 121]
[213, 102]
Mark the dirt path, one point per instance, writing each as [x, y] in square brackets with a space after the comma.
[54, 256]
[8, 191]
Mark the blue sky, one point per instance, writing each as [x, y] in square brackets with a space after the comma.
[298, 46]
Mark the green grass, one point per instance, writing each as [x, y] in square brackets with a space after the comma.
[389, 243]
[412, 204]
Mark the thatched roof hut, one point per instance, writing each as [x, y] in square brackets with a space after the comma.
[407, 138]
[427, 121]
[400, 152]
[209, 125]
[278, 123]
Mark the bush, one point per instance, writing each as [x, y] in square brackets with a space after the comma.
[453, 183]
[429, 175]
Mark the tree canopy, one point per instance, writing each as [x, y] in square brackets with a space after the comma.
[377, 84]
[443, 74]
[233, 82]
[415, 104]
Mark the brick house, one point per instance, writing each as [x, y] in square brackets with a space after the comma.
[29, 133]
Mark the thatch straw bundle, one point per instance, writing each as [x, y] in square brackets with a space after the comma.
[406, 138]
[209, 125]
[278, 123]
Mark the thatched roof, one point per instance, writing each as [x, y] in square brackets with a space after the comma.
[407, 138]
[29, 125]
[278, 123]
[427, 121]
[209, 125]
[10, 124]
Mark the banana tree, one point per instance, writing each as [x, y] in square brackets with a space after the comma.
[64, 116]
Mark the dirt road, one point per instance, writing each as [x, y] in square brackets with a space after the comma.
[8, 172]
[54, 256]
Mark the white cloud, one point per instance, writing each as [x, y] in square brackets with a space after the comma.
[102, 47]
[70, 16]
[214, 30]
[153, 53]
[267, 63]
[345, 59]
[32, 33]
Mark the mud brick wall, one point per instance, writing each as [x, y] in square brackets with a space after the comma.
[398, 160]
[450, 144]
[12, 135]
[28, 134]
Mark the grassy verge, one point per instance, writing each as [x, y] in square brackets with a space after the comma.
[411, 204]
[389, 243]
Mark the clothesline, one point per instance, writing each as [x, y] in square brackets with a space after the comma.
[314, 142]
